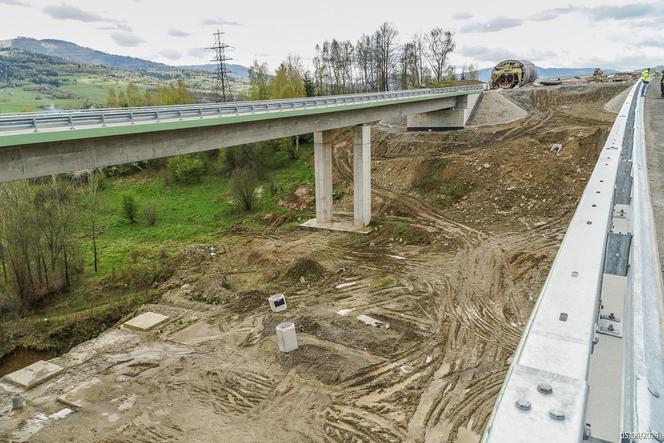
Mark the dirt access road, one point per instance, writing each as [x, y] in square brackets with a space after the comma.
[467, 225]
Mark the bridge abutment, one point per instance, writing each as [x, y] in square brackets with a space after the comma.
[448, 119]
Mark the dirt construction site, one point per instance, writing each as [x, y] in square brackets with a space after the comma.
[466, 226]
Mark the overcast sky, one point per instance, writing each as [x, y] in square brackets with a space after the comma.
[621, 34]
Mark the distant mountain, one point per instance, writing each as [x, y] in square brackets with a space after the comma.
[79, 54]
[236, 71]
[485, 74]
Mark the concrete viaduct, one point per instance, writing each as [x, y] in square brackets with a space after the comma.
[39, 144]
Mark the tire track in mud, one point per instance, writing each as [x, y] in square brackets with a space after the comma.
[466, 328]
[228, 393]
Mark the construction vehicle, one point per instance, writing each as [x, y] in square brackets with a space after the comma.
[513, 73]
[598, 76]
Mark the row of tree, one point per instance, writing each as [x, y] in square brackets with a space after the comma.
[376, 62]
[171, 94]
[38, 252]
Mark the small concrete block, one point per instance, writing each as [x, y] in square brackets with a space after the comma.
[277, 302]
[286, 337]
[146, 321]
[370, 321]
[34, 374]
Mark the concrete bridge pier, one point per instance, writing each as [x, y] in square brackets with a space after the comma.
[323, 175]
[361, 175]
[361, 183]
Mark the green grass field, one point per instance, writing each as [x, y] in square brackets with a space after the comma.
[185, 213]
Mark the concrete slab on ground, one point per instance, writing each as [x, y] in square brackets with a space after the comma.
[195, 333]
[34, 374]
[146, 321]
[335, 226]
[77, 397]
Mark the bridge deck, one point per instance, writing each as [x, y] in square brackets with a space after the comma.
[30, 128]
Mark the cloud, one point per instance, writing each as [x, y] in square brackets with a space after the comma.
[123, 27]
[178, 33]
[462, 16]
[14, 3]
[199, 52]
[171, 54]
[495, 55]
[69, 12]
[218, 21]
[493, 25]
[551, 14]
[484, 54]
[116, 27]
[626, 12]
[127, 39]
[629, 11]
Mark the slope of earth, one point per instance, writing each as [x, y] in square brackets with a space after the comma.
[466, 226]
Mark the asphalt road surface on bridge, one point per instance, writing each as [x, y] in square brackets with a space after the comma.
[654, 120]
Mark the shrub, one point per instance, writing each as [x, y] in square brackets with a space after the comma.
[129, 207]
[258, 157]
[150, 214]
[292, 146]
[186, 169]
[244, 184]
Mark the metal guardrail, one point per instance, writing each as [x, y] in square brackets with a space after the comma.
[82, 118]
[545, 393]
[643, 405]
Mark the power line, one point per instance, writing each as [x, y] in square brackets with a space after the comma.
[220, 58]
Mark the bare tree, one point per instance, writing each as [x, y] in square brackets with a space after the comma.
[365, 61]
[36, 230]
[440, 43]
[385, 47]
[419, 52]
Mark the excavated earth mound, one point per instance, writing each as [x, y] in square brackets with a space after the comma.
[495, 109]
